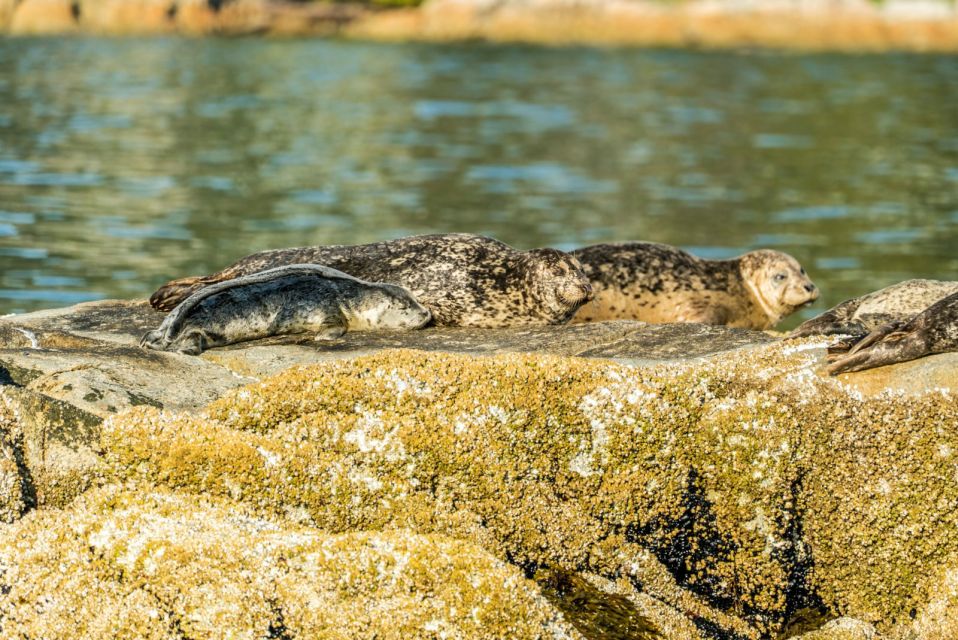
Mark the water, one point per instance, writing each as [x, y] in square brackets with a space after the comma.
[124, 163]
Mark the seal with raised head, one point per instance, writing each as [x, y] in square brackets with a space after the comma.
[298, 298]
[934, 330]
[859, 316]
[463, 279]
[660, 283]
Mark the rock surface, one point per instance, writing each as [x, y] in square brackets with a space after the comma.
[850, 25]
[648, 481]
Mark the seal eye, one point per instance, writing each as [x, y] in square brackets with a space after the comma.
[778, 278]
[802, 271]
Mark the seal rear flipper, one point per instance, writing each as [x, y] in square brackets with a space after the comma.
[881, 347]
[174, 292]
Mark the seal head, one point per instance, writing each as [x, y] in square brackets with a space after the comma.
[556, 283]
[777, 282]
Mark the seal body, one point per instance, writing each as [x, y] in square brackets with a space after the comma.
[292, 299]
[933, 330]
[859, 316]
[463, 279]
[660, 283]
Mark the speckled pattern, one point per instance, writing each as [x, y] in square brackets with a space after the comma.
[862, 315]
[297, 298]
[660, 283]
[934, 330]
[463, 279]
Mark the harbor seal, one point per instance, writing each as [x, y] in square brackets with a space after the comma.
[660, 283]
[297, 298]
[934, 330]
[859, 316]
[464, 280]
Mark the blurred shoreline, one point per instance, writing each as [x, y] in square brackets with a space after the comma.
[806, 25]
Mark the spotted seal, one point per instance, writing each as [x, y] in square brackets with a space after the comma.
[859, 316]
[463, 279]
[297, 298]
[660, 283]
[934, 330]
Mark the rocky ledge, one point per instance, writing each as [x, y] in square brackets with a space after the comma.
[851, 25]
[611, 480]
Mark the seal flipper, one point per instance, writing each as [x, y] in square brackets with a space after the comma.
[889, 344]
[330, 333]
[154, 340]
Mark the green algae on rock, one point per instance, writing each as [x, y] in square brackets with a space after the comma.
[158, 564]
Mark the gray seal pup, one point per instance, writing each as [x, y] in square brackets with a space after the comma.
[859, 316]
[660, 283]
[934, 330]
[297, 298]
[464, 280]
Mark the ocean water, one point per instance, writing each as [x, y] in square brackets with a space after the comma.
[128, 162]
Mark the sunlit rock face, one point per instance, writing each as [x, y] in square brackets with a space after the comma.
[736, 492]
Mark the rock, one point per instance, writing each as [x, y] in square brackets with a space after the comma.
[842, 629]
[31, 17]
[6, 12]
[47, 451]
[58, 452]
[159, 564]
[128, 17]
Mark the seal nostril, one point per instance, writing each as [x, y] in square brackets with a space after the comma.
[809, 287]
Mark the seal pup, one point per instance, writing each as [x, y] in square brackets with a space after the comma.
[297, 298]
[934, 330]
[463, 279]
[859, 316]
[660, 283]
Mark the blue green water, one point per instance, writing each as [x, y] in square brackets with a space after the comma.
[127, 162]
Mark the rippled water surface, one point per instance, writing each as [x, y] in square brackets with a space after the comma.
[124, 163]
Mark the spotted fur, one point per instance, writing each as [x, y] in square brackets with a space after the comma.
[298, 298]
[463, 279]
[660, 283]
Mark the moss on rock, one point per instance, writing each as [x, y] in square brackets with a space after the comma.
[160, 564]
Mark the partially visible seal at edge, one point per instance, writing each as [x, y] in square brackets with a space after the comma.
[934, 330]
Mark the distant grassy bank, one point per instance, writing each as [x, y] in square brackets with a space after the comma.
[840, 25]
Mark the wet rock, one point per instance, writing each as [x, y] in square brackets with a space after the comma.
[159, 564]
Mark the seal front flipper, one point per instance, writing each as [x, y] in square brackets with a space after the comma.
[330, 333]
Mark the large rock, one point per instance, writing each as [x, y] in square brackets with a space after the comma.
[710, 476]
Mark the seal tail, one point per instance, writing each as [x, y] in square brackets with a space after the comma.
[176, 291]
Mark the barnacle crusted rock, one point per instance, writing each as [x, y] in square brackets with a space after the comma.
[160, 564]
[719, 496]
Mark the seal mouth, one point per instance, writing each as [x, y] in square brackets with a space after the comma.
[583, 293]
